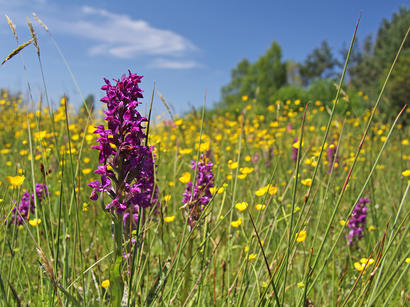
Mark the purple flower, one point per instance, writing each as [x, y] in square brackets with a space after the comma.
[197, 196]
[332, 158]
[357, 222]
[255, 158]
[26, 206]
[295, 149]
[127, 164]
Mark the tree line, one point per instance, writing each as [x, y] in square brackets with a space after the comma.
[270, 78]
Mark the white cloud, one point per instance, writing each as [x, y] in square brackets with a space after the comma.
[107, 33]
[174, 64]
[123, 37]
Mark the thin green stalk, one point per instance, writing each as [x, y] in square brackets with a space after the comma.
[233, 204]
[396, 284]
[357, 199]
[179, 252]
[289, 244]
[389, 243]
[187, 275]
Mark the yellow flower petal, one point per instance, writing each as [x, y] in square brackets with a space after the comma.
[86, 171]
[34, 222]
[236, 223]
[166, 198]
[252, 256]
[301, 236]
[260, 207]
[185, 178]
[307, 182]
[16, 181]
[406, 173]
[359, 266]
[241, 206]
[169, 219]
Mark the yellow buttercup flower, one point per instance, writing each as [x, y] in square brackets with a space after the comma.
[169, 219]
[185, 178]
[359, 266]
[261, 191]
[246, 170]
[252, 256]
[260, 207]
[34, 222]
[272, 190]
[16, 181]
[307, 182]
[86, 171]
[368, 261]
[301, 236]
[185, 151]
[296, 144]
[215, 190]
[406, 173]
[166, 198]
[241, 206]
[105, 283]
[85, 207]
[236, 223]
[363, 264]
[269, 188]
[242, 176]
[232, 165]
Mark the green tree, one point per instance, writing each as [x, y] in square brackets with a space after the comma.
[234, 89]
[256, 80]
[398, 89]
[319, 64]
[376, 58]
[270, 73]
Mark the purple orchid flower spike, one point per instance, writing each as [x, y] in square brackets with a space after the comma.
[126, 162]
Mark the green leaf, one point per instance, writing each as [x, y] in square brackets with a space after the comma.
[116, 283]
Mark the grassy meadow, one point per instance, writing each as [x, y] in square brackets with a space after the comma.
[277, 229]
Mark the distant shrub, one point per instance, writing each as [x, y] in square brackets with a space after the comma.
[323, 90]
[291, 93]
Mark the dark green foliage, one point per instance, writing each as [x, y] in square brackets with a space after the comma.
[240, 81]
[399, 85]
[269, 79]
[373, 61]
[270, 73]
[292, 93]
[323, 90]
[319, 64]
[256, 80]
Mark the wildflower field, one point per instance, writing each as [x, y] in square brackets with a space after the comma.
[294, 204]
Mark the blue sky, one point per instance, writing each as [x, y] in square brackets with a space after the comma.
[187, 47]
